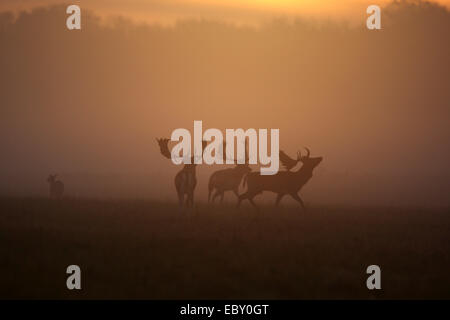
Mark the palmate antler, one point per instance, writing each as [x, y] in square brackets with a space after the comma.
[288, 162]
[164, 148]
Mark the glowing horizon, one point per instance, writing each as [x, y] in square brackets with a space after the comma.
[241, 11]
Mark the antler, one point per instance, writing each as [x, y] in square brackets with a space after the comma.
[164, 147]
[224, 151]
[246, 152]
[287, 161]
[307, 152]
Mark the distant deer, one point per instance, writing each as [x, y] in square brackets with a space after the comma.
[185, 180]
[228, 179]
[283, 183]
[56, 187]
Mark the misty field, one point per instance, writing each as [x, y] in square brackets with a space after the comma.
[149, 250]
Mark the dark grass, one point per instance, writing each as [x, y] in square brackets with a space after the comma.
[149, 250]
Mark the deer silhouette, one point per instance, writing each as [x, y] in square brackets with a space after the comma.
[287, 161]
[185, 179]
[56, 187]
[284, 182]
[228, 179]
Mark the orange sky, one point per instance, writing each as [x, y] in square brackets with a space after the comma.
[89, 105]
[241, 11]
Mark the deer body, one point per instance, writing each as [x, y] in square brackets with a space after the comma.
[283, 183]
[56, 187]
[185, 179]
[226, 180]
[185, 183]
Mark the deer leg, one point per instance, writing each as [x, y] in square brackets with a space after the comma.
[191, 200]
[221, 196]
[248, 196]
[209, 194]
[236, 193]
[242, 197]
[216, 194]
[180, 198]
[188, 199]
[297, 197]
[279, 197]
[253, 202]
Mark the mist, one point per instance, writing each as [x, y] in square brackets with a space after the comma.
[89, 104]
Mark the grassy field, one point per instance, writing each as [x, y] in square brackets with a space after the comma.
[149, 250]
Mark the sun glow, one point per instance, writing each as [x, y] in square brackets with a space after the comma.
[240, 11]
[291, 5]
[314, 8]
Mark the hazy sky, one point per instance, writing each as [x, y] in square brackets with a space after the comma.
[246, 11]
[89, 105]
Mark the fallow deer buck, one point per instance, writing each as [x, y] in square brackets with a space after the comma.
[228, 179]
[185, 180]
[56, 187]
[283, 183]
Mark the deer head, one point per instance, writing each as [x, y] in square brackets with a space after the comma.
[307, 161]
